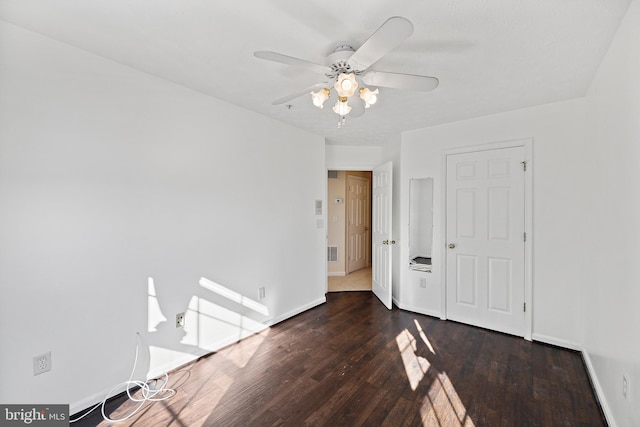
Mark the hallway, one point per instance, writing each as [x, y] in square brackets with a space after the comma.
[357, 281]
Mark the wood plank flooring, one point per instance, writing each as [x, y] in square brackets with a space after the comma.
[352, 362]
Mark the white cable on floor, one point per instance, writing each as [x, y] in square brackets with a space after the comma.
[148, 394]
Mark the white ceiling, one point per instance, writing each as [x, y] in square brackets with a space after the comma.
[490, 55]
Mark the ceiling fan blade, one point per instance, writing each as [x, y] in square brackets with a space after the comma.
[394, 31]
[301, 92]
[290, 60]
[400, 81]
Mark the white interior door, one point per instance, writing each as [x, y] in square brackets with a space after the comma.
[357, 223]
[485, 239]
[381, 229]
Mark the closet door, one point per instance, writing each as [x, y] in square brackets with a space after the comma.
[485, 239]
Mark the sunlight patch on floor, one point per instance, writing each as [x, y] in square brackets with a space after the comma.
[214, 391]
[424, 336]
[415, 366]
[242, 352]
[442, 406]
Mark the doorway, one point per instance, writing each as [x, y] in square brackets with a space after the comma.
[349, 230]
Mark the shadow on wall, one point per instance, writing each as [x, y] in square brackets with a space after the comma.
[216, 317]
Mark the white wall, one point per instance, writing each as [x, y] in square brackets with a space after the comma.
[109, 177]
[612, 291]
[344, 157]
[560, 133]
[336, 222]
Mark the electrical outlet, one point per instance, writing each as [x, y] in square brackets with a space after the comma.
[262, 292]
[42, 363]
[180, 320]
[423, 282]
[625, 387]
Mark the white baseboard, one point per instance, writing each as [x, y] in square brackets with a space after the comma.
[557, 342]
[83, 405]
[336, 273]
[408, 307]
[298, 310]
[90, 401]
[598, 389]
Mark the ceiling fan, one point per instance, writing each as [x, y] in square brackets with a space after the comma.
[349, 71]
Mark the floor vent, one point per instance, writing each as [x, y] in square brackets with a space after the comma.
[332, 254]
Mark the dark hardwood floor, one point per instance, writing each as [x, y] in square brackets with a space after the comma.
[352, 362]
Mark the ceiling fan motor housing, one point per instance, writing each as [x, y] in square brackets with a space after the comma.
[338, 62]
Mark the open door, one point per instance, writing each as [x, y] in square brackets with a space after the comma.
[381, 239]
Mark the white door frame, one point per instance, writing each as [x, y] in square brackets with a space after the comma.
[527, 145]
[326, 217]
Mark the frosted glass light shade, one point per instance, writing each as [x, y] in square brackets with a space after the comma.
[320, 97]
[368, 96]
[342, 108]
[346, 85]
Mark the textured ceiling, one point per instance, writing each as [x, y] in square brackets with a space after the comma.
[489, 55]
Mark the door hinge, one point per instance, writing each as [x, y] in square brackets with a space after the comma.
[524, 307]
[524, 166]
[524, 236]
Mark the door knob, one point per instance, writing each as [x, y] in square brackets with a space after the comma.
[393, 242]
[452, 245]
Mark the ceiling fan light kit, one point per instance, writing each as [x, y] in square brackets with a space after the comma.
[346, 86]
[346, 64]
